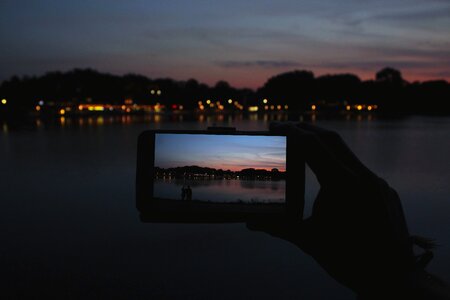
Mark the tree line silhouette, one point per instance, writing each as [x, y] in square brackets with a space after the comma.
[211, 173]
[298, 89]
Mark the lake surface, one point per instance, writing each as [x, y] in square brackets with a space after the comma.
[69, 227]
[223, 190]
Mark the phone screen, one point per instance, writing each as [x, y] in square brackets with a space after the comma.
[220, 168]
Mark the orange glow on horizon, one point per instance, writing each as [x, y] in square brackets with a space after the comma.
[234, 168]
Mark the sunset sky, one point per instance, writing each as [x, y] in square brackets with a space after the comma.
[242, 42]
[225, 152]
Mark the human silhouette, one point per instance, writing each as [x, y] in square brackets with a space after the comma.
[357, 231]
[189, 193]
[183, 193]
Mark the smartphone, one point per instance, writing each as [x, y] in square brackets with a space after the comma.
[218, 175]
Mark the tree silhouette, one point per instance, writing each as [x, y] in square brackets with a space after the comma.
[389, 75]
[294, 88]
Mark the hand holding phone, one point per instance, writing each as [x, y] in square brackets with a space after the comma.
[357, 231]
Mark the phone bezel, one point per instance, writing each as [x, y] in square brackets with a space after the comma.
[146, 203]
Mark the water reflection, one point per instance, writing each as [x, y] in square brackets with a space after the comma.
[211, 119]
[5, 128]
[224, 190]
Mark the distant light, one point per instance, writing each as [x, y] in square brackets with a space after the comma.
[123, 107]
[99, 108]
[208, 101]
[236, 103]
[279, 107]
[265, 101]
[80, 107]
[266, 107]
[68, 108]
[272, 107]
[200, 102]
[221, 107]
[202, 107]
[38, 108]
[128, 110]
[128, 101]
[62, 111]
[4, 101]
[41, 103]
[253, 108]
[369, 108]
[174, 106]
[211, 105]
[181, 107]
[348, 107]
[286, 107]
[158, 92]
[230, 101]
[152, 92]
[359, 107]
[313, 107]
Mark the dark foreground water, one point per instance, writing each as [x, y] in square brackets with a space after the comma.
[69, 228]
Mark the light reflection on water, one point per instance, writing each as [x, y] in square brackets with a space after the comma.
[223, 119]
[164, 119]
[233, 190]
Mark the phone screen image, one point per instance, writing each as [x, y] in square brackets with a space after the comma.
[248, 169]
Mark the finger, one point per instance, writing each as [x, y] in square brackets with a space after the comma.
[320, 159]
[336, 144]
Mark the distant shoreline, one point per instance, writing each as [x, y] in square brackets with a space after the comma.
[86, 91]
[197, 172]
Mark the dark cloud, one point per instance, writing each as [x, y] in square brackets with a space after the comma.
[269, 64]
[375, 65]
[430, 14]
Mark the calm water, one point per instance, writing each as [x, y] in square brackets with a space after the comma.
[70, 228]
[223, 190]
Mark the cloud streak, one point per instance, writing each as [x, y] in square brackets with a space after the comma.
[266, 64]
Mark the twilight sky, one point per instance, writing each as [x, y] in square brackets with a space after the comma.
[227, 152]
[243, 42]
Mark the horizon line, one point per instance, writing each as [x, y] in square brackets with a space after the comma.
[162, 77]
[284, 171]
